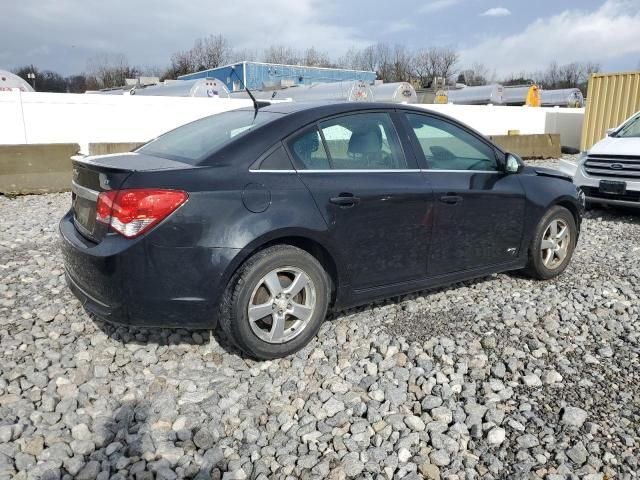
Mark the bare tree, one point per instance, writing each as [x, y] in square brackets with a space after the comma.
[247, 54]
[352, 59]
[360, 59]
[45, 81]
[281, 54]
[151, 70]
[444, 62]
[421, 67]
[111, 69]
[77, 83]
[369, 59]
[570, 75]
[181, 63]
[207, 52]
[384, 62]
[402, 64]
[478, 74]
[212, 51]
[434, 62]
[391, 63]
[518, 79]
[315, 58]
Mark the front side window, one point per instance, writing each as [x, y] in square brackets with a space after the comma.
[364, 141]
[448, 147]
[630, 129]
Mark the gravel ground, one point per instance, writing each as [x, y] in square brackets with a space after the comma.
[501, 377]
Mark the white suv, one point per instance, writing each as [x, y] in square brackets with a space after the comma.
[609, 173]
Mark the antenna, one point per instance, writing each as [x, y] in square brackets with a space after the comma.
[256, 104]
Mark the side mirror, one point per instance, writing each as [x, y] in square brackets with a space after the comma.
[610, 131]
[513, 163]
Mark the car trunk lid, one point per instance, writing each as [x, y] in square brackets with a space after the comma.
[93, 175]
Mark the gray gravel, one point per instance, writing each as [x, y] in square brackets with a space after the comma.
[502, 377]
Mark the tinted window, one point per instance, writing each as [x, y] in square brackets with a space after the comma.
[197, 140]
[449, 147]
[363, 141]
[276, 160]
[308, 150]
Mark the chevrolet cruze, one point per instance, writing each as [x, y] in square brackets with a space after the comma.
[259, 221]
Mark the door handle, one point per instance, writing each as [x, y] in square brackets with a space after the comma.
[451, 199]
[345, 200]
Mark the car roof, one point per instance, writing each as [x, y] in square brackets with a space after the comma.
[309, 111]
[326, 107]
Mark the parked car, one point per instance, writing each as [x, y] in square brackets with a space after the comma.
[609, 173]
[262, 220]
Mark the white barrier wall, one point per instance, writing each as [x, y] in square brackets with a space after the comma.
[72, 118]
[30, 117]
[498, 120]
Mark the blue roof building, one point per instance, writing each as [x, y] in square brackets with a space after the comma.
[259, 76]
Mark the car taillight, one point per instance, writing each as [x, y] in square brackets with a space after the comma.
[133, 212]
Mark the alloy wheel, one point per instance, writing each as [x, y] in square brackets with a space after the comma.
[555, 243]
[281, 305]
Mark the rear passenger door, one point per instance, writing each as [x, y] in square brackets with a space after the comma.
[479, 209]
[371, 195]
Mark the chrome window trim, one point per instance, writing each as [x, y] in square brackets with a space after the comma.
[433, 170]
[387, 170]
[84, 192]
[364, 170]
[337, 170]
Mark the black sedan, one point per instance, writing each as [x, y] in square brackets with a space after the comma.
[262, 220]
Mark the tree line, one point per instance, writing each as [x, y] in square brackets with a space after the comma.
[392, 63]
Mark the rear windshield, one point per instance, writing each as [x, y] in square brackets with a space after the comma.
[195, 141]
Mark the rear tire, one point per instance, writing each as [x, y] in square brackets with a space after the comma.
[276, 302]
[552, 245]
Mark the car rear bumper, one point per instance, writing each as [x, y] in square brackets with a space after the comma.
[139, 283]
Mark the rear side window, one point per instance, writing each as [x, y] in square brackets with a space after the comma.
[308, 150]
[276, 160]
[195, 141]
[448, 147]
[364, 141]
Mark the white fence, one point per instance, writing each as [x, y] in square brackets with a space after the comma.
[29, 118]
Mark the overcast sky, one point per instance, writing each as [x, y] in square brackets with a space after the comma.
[506, 35]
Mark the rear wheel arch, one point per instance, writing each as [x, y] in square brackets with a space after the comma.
[309, 245]
[258, 312]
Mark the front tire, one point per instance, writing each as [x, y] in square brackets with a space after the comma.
[553, 244]
[276, 302]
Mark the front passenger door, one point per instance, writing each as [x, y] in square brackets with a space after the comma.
[479, 210]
